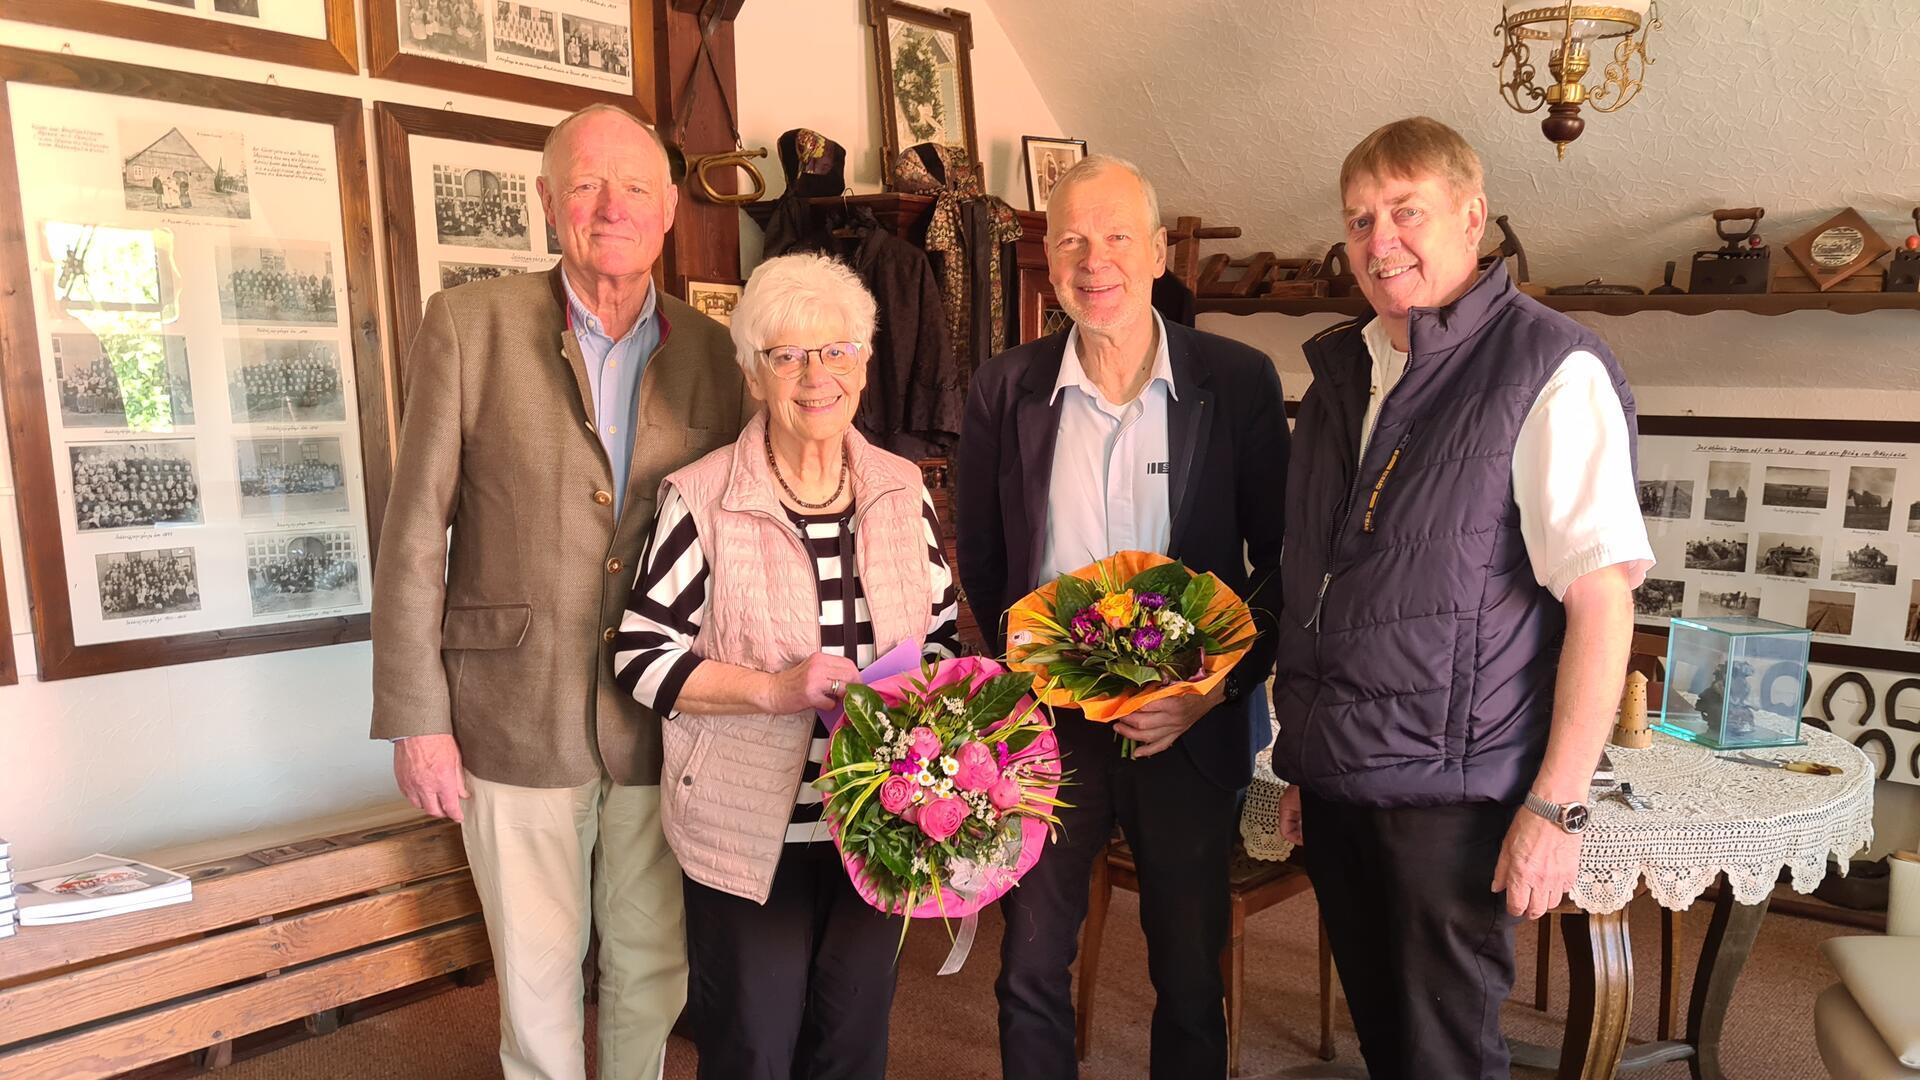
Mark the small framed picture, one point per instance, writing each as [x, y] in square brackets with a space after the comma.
[714, 299]
[1047, 161]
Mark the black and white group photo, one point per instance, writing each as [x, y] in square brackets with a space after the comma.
[452, 28]
[249, 8]
[525, 30]
[1870, 497]
[480, 207]
[597, 46]
[285, 381]
[184, 170]
[139, 382]
[1659, 598]
[1727, 483]
[459, 273]
[1717, 553]
[302, 571]
[287, 477]
[161, 581]
[1804, 489]
[1732, 602]
[1782, 555]
[1666, 498]
[128, 485]
[286, 284]
[1867, 564]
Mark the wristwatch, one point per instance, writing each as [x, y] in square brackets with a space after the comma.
[1569, 816]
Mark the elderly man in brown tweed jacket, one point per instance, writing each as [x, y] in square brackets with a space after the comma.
[541, 412]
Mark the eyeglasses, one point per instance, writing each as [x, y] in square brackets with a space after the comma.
[790, 361]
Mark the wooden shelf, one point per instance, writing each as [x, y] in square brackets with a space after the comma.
[898, 211]
[1840, 303]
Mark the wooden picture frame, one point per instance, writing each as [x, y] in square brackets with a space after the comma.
[714, 299]
[386, 60]
[21, 364]
[949, 30]
[9, 670]
[1039, 181]
[1707, 428]
[338, 51]
[393, 126]
[1837, 249]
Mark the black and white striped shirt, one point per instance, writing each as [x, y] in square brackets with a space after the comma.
[652, 653]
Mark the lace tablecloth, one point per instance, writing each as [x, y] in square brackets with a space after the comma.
[1709, 817]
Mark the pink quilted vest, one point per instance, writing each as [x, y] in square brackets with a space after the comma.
[728, 782]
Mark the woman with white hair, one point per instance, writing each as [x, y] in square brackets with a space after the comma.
[778, 568]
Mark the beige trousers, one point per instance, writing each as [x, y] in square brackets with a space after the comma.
[550, 864]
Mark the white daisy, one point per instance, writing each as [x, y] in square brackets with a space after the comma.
[949, 765]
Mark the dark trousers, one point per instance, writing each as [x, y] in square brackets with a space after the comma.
[1423, 944]
[798, 988]
[1180, 827]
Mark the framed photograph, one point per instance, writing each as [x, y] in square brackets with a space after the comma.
[310, 33]
[1831, 542]
[562, 54]
[461, 205]
[714, 299]
[1047, 161]
[926, 78]
[191, 370]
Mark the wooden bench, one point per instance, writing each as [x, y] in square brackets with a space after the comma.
[279, 935]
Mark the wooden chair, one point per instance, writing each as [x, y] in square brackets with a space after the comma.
[1255, 885]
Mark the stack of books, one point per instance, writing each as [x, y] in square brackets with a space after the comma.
[9, 913]
[94, 888]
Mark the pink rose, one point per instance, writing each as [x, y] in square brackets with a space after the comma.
[976, 775]
[1005, 793]
[974, 751]
[941, 818]
[911, 815]
[896, 794]
[923, 743]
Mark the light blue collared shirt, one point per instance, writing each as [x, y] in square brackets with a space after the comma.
[613, 374]
[1109, 489]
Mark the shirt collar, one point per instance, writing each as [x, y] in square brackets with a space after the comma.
[584, 316]
[1072, 374]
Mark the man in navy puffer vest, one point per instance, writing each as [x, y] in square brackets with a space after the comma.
[1462, 540]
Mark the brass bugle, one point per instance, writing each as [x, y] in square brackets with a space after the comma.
[682, 164]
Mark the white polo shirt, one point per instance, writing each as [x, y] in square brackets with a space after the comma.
[1111, 469]
[1572, 469]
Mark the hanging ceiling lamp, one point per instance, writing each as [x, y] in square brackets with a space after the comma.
[1574, 31]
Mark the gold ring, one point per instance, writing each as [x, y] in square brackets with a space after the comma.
[836, 688]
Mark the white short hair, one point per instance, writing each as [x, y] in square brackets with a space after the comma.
[801, 290]
[1096, 164]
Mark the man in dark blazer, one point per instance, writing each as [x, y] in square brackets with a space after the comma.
[1123, 433]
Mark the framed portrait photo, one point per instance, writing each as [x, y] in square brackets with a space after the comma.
[926, 78]
[714, 299]
[310, 33]
[1047, 161]
[563, 54]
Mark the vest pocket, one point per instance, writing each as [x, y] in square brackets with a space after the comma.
[683, 755]
[1466, 637]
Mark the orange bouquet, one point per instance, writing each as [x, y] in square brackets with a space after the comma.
[1130, 629]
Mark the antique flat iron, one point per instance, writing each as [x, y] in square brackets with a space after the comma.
[1742, 264]
[1903, 274]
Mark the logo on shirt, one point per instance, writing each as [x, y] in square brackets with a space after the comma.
[1159, 468]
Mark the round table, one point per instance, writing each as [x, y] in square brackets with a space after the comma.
[1712, 819]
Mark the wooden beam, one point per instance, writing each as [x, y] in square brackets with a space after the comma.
[110, 1049]
[705, 242]
[99, 991]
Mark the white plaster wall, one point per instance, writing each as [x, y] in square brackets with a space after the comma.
[829, 84]
[154, 759]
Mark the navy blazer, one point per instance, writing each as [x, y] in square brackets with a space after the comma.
[1227, 440]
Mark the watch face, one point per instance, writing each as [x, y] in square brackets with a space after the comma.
[1574, 817]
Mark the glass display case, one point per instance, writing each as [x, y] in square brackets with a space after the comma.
[1735, 682]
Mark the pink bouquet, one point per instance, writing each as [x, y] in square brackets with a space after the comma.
[940, 786]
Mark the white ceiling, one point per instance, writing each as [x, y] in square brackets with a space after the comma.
[1241, 111]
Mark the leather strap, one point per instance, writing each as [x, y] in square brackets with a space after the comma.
[1866, 689]
[1894, 719]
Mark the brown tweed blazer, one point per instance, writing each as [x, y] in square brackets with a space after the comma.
[504, 565]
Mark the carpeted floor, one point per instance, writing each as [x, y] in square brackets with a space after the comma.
[944, 1027]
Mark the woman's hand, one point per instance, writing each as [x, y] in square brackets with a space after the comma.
[811, 684]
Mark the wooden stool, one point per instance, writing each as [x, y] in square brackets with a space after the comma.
[1254, 885]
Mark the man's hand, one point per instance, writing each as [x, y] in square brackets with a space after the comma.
[1290, 829]
[428, 769]
[1537, 864]
[1154, 727]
